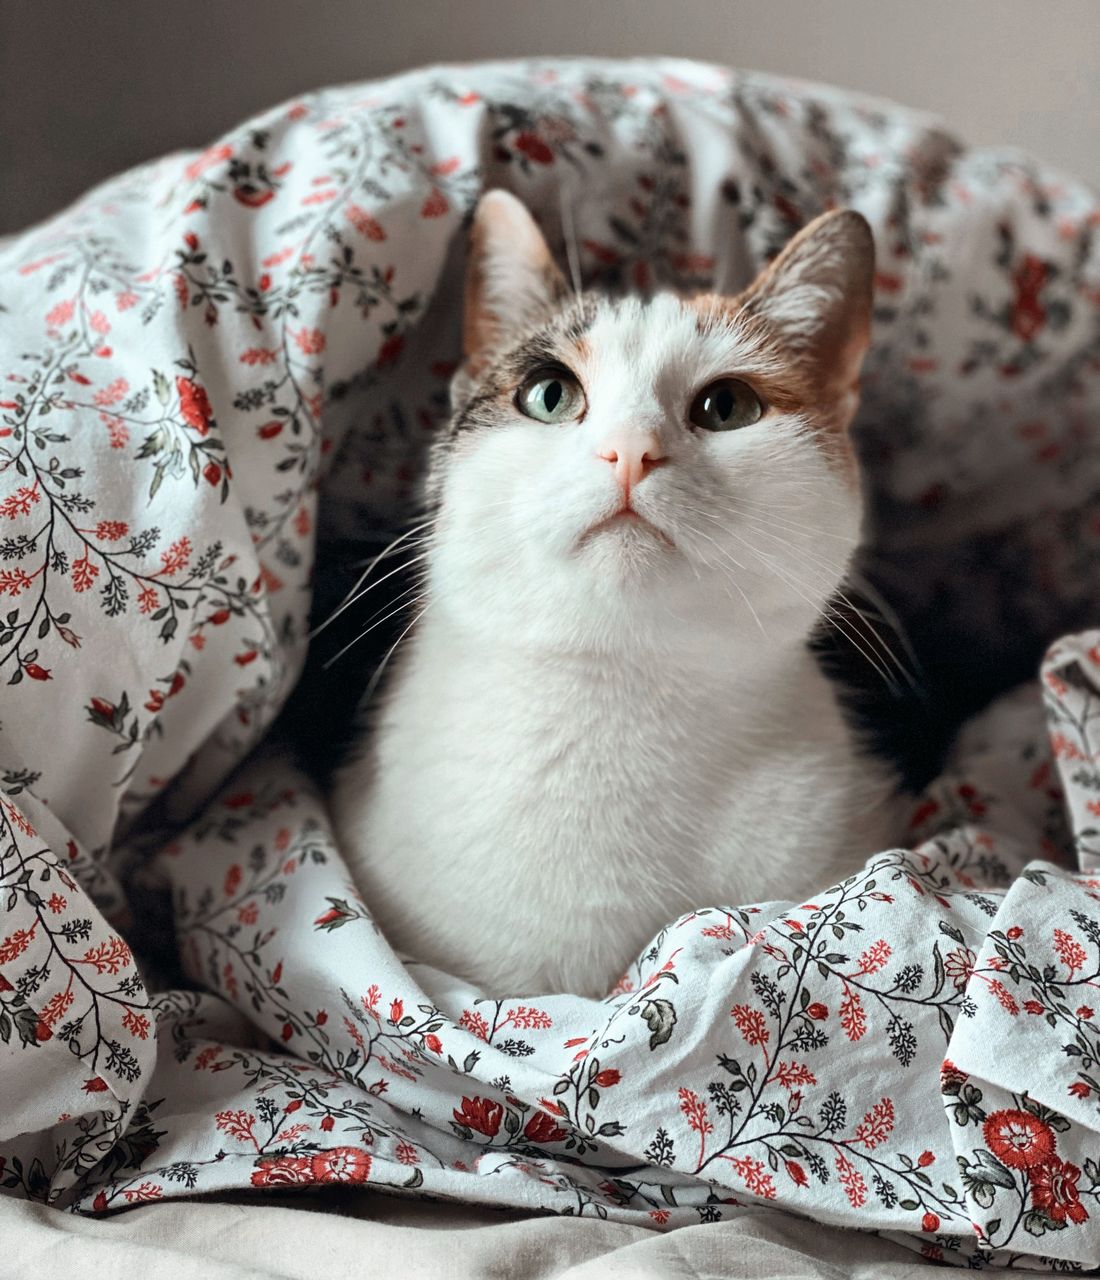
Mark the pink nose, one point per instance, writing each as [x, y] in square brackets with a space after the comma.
[633, 455]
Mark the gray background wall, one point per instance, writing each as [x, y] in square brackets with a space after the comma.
[89, 88]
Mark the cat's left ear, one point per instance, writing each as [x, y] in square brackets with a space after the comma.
[815, 300]
[511, 278]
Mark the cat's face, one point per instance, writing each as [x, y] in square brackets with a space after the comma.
[650, 472]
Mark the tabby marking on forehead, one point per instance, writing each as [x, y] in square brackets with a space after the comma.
[561, 339]
[784, 381]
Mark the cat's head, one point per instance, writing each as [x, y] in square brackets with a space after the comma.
[648, 471]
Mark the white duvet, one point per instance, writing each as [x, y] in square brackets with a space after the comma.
[205, 355]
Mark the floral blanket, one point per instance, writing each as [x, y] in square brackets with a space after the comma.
[219, 368]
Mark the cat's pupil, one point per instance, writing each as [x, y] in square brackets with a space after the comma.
[552, 395]
[723, 403]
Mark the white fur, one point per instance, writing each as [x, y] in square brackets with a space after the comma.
[588, 735]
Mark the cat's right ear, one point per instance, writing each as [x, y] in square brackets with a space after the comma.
[511, 279]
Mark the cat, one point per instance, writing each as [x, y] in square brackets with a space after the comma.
[608, 713]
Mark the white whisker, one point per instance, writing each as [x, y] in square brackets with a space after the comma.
[883, 648]
[721, 551]
[569, 234]
[351, 596]
[368, 588]
[366, 632]
[373, 682]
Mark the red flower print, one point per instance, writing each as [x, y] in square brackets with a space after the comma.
[855, 1188]
[1018, 1139]
[311, 342]
[84, 573]
[751, 1023]
[853, 1018]
[817, 1011]
[792, 1074]
[390, 350]
[796, 1173]
[211, 156]
[951, 1074]
[875, 956]
[327, 1124]
[433, 1042]
[695, 1112]
[259, 355]
[1054, 1190]
[283, 1171]
[362, 221]
[533, 147]
[111, 530]
[251, 196]
[876, 1125]
[95, 1085]
[36, 672]
[959, 965]
[113, 393]
[475, 1023]
[930, 1222]
[483, 1115]
[194, 405]
[1071, 953]
[925, 1159]
[1004, 997]
[212, 473]
[341, 1164]
[1028, 313]
[397, 1010]
[61, 314]
[1079, 1089]
[606, 1078]
[436, 205]
[542, 1129]
[758, 1181]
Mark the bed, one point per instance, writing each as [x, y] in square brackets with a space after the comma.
[218, 377]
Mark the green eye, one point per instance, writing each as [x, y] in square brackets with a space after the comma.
[551, 395]
[725, 405]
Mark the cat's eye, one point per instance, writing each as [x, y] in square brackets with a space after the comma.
[725, 405]
[551, 395]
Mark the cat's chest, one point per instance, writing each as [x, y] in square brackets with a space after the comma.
[558, 815]
[607, 762]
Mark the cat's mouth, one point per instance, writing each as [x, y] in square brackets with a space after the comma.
[626, 522]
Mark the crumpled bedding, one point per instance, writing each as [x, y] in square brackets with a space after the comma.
[219, 368]
[330, 1233]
